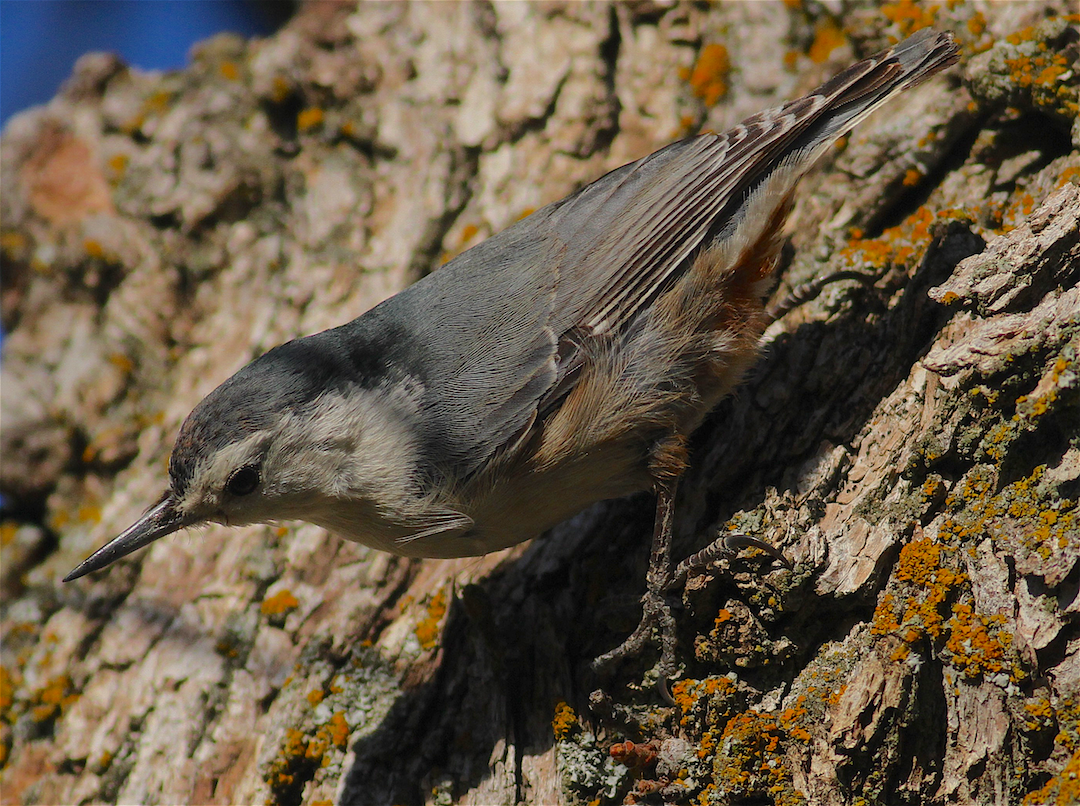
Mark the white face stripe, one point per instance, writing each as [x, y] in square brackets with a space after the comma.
[203, 495]
[354, 447]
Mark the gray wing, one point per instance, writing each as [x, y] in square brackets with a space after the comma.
[631, 233]
[501, 327]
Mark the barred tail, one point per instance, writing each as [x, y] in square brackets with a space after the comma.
[860, 89]
[783, 143]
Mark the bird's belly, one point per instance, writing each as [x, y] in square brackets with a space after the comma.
[529, 503]
[517, 507]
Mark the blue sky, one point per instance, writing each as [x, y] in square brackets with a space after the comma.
[41, 39]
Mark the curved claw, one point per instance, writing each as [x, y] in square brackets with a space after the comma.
[740, 541]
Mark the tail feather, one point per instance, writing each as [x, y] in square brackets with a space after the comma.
[826, 114]
[856, 92]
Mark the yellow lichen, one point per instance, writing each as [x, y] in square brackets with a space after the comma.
[910, 15]
[8, 682]
[1061, 790]
[118, 164]
[309, 118]
[563, 721]
[427, 631]
[338, 729]
[230, 70]
[751, 762]
[901, 245]
[828, 36]
[708, 79]
[52, 699]
[280, 603]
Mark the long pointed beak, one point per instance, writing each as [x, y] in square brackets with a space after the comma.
[162, 519]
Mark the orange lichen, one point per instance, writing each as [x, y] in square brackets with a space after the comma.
[689, 694]
[901, 245]
[909, 15]
[1061, 790]
[118, 164]
[751, 763]
[708, 78]
[828, 36]
[923, 574]
[89, 513]
[102, 763]
[281, 772]
[976, 24]
[300, 756]
[1050, 525]
[8, 530]
[309, 118]
[157, 102]
[280, 603]
[230, 70]
[563, 721]
[1068, 719]
[52, 699]
[427, 631]
[930, 600]
[977, 644]
[1031, 65]
[315, 696]
[468, 232]
[1040, 713]
[338, 729]
[121, 362]
[8, 682]
[912, 177]
[280, 89]
[13, 242]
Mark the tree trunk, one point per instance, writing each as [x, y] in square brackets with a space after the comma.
[911, 443]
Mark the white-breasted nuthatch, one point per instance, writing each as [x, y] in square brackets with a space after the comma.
[563, 361]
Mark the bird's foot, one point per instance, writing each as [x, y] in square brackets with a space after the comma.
[726, 546]
[657, 625]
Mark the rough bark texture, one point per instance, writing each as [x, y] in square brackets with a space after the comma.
[912, 444]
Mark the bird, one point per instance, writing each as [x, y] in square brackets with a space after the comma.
[563, 361]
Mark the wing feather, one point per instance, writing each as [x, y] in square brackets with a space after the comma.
[504, 329]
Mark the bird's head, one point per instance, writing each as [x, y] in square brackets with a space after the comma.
[277, 441]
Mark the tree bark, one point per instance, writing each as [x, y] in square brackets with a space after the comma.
[911, 443]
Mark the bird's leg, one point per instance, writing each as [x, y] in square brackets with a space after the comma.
[656, 611]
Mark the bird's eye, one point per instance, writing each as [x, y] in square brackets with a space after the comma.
[243, 480]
